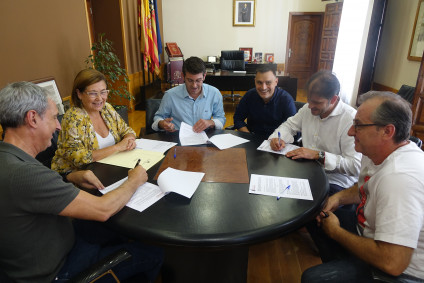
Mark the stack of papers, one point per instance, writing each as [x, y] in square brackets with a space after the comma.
[170, 180]
[224, 141]
[265, 146]
[280, 187]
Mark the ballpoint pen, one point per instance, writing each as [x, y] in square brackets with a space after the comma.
[138, 162]
[175, 153]
[279, 138]
[287, 188]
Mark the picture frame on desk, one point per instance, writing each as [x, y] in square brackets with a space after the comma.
[244, 12]
[49, 84]
[248, 52]
[258, 57]
[269, 57]
[416, 46]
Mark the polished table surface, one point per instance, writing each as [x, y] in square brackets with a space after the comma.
[222, 214]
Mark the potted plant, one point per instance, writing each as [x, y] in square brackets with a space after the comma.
[106, 61]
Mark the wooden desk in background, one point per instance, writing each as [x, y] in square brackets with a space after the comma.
[228, 80]
[207, 237]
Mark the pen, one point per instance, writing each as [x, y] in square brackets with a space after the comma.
[325, 214]
[175, 152]
[138, 162]
[279, 138]
[288, 188]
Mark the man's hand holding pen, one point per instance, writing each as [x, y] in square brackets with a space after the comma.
[167, 125]
[277, 144]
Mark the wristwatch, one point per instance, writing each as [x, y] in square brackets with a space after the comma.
[65, 176]
[321, 157]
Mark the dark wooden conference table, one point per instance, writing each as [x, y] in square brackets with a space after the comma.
[206, 238]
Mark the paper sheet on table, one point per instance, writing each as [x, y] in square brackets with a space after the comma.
[189, 137]
[184, 183]
[145, 196]
[154, 145]
[266, 146]
[128, 159]
[226, 141]
[178, 181]
[279, 187]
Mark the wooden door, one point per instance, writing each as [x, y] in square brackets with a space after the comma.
[417, 105]
[330, 31]
[303, 41]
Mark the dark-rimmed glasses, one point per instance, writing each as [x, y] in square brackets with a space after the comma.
[356, 126]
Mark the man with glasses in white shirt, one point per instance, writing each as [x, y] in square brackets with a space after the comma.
[195, 103]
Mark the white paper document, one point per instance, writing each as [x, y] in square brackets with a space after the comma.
[184, 183]
[226, 141]
[280, 187]
[266, 146]
[189, 137]
[154, 145]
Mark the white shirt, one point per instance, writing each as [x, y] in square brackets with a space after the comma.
[342, 162]
[394, 205]
[105, 142]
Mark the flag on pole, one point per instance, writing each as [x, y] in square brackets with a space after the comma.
[159, 41]
[153, 42]
[144, 43]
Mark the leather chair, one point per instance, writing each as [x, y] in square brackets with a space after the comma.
[47, 155]
[232, 60]
[152, 105]
[407, 92]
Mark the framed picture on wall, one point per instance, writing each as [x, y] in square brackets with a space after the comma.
[416, 46]
[244, 12]
[258, 57]
[269, 57]
[248, 53]
[49, 84]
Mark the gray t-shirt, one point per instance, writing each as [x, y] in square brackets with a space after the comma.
[34, 240]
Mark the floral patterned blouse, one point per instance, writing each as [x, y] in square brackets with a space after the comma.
[77, 139]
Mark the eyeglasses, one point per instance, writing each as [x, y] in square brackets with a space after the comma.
[198, 81]
[356, 126]
[94, 94]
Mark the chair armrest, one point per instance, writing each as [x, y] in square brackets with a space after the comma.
[101, 266]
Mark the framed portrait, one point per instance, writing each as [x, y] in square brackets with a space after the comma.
[244, 12]
[269, 57]
[258, 57]
[212, 59]
[248, 53]
[49, 84]
[416, 46]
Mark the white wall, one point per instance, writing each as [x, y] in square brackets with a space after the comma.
[393, 69]
[204, 28]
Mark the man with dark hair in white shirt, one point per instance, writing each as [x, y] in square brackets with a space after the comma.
[324, 123]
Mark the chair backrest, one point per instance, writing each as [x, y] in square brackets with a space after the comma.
[299, 105]
[232, 60]
[416, 140]
[152, 105]
[407, 92]
[47, 155]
